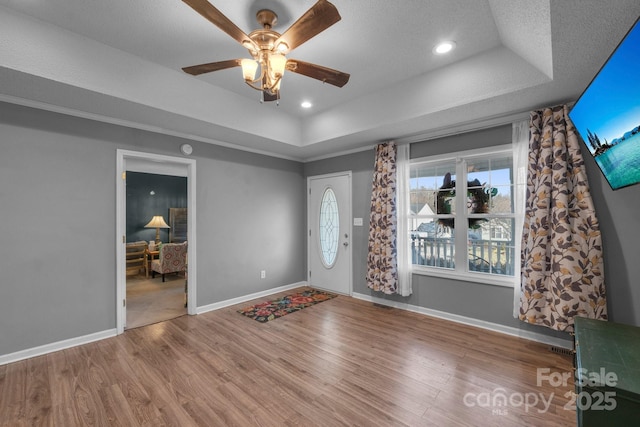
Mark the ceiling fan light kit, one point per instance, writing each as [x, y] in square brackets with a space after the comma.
[268, 48]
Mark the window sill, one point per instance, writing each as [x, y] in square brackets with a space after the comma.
[480, 278]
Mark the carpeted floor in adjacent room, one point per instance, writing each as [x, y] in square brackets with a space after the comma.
[151, 301]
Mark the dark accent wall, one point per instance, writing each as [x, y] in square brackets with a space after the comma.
[148, 195]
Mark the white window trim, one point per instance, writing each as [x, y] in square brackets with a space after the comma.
[459, 155]
[460, 257]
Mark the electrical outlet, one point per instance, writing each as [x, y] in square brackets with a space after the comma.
[263, 274]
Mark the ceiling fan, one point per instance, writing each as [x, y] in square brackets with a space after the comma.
[268, 48]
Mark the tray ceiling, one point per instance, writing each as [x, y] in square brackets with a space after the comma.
[120, 61]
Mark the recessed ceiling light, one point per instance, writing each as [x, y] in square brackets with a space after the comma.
[306, 104]
[444, 47]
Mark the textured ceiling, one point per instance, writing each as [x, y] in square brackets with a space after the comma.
[120, 61]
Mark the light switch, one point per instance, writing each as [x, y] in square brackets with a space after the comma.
[357, 221]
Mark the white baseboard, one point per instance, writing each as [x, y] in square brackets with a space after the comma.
[244, 298]
[72, 342]
[496, 327]
[56, 346]
[85, 339]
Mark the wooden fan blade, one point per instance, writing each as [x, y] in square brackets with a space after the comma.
[324, 74]
[321, 16]
[207, 10]
[196, 70]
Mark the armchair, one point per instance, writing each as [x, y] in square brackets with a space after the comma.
[171, 259]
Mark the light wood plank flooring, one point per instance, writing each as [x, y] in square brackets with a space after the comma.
[340, 362]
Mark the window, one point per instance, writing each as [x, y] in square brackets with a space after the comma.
[329, 227]
[462, 217]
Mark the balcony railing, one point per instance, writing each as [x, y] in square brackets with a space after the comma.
[485, 256]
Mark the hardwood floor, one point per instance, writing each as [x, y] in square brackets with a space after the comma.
[340, 362]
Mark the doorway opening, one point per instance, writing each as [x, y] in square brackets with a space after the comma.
[147, 186]
[155, 199]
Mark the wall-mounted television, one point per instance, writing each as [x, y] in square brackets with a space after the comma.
[607, 114]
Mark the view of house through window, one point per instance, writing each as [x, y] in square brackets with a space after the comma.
[462, 213]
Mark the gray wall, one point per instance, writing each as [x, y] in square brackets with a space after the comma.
[251, 217]
[58, 218]
[57, 225]
[617, 215]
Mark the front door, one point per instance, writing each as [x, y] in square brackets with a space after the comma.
[329, 244]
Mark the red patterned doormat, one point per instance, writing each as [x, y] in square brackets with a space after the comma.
[269, 310]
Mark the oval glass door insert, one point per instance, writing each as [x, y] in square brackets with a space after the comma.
[329, 228]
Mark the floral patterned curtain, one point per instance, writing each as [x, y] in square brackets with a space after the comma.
[382, 269]
[562, 265]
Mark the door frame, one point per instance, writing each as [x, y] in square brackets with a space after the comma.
[349, 207]
[162, 165]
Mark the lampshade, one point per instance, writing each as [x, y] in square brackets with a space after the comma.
[249, 68]
[157, 222]
[277, 64]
